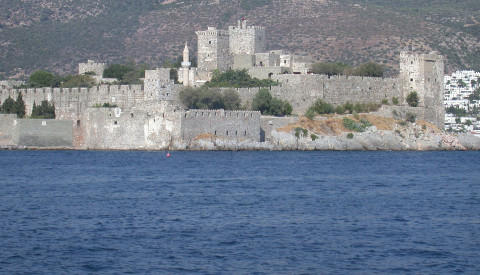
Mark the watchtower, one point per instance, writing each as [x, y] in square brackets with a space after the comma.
[213, 50]
[246, 39]
[424, 73]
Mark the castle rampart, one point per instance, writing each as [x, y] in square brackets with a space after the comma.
[301, 91]
[240, 125]
[77, 99]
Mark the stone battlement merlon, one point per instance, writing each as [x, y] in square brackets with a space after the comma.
[213, 33]
[221, 113]
[249, 28]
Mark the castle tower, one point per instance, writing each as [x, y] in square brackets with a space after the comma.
[213, 51]
[423, 73]
[246, 39]
[186, 65]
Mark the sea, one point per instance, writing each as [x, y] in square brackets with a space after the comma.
[245, 212]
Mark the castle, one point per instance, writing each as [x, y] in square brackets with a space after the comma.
[152, 117]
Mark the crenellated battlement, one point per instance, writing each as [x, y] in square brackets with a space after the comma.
[74, 100]
[211, 31]
[221, 113]
[221, 123]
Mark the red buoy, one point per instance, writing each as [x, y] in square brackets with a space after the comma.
[168, 154]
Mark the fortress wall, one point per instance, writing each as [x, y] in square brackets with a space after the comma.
[151, 125]
[229, 124]
[7, 128]
[75, 100]
[43, 133]
[301, 91]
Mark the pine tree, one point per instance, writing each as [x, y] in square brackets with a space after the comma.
[19, 106]
[7, 105]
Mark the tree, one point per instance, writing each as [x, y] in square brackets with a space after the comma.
[8, 105]
[237, 79]
[44, 110]
[19, 106]
[328, 68]
[369, 69]
[43, 79]
[269, 105]
[261, 101]
[174, 75]
[276, 107]
[412, 99]
[474, 96]
[288, 109]
[321, 107]
[117, 71]
[78, 81]
[231, 100]
[209, 98]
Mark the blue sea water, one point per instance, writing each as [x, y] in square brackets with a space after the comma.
[84, 212]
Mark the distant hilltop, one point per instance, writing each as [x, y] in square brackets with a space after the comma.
[56, 36]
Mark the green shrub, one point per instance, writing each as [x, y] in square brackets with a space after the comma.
[395, 100]
[385, 101]
[305, 132]
[351, 124]
[350, 135]
[310, 114]
[322, 107]
[298, 130]
[340, 110]
[314, 137]
[105, 105]
[410, 117]
[412, 99]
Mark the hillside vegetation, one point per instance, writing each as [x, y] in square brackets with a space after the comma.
[56, 35]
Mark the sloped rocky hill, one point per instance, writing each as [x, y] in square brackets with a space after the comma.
[56, 35]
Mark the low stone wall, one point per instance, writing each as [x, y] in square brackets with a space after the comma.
[43, 133]
[7, 129]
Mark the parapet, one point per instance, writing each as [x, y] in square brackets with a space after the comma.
[221, 113]
[211, 31]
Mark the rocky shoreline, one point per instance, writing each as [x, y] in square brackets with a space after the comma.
[324, 134]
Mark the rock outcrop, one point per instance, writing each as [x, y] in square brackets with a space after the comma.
[395, 135]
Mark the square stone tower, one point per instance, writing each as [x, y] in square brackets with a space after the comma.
[91, 67]
[424, 74]
[246, 39]
[213, 50]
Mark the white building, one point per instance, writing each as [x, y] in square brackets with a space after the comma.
[458, 87]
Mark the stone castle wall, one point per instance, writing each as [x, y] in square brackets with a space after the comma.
[35, 132]
[150, 125]
[71, 102]
[240, 125]
[301, 91]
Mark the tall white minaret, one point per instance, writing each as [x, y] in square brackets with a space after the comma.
[186, 65]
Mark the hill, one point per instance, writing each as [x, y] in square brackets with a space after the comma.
[56, 35]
